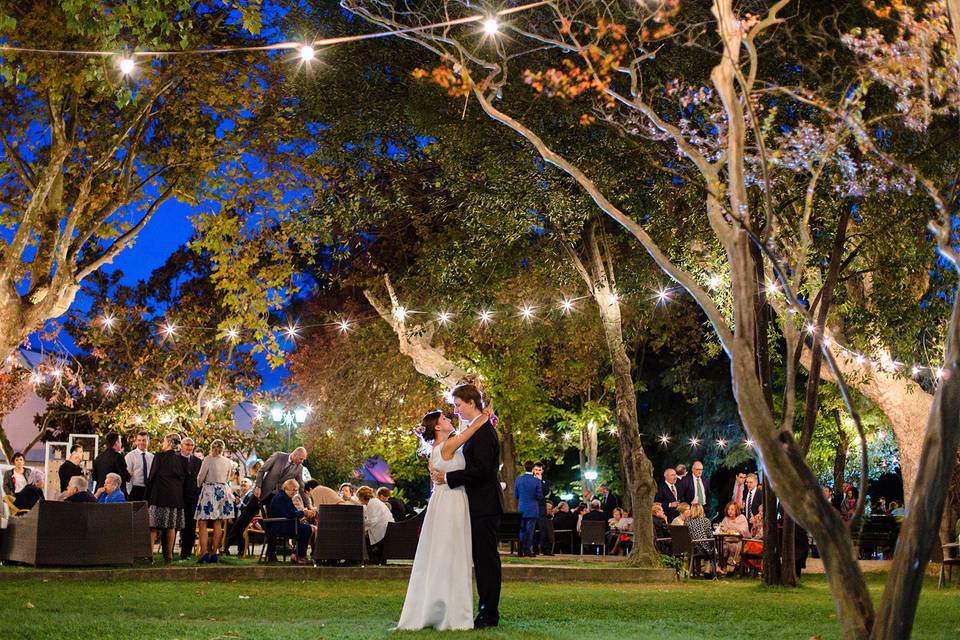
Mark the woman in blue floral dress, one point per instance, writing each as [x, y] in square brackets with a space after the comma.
[216, 499]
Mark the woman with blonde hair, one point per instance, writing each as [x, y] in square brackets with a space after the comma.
[701, 531]
[683, 512]
[282, 507]
[216, 500]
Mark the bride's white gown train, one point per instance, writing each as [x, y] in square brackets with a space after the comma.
[440, 593]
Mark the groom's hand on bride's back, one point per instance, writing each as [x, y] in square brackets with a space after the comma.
[439, 477]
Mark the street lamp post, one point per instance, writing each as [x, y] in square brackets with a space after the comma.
[289, 419]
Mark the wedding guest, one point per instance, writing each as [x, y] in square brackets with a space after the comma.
[832, 499]
[15, 479]
[733, 523]
[241, 501]
[754, 546]
[738, 494]
[696, 486]
[321, 495]
[683, 511]
[396, 506]
[215, 500]
[668, 494]
[164, 492]
[273, 474]
[528, 491]
[111, 492]
[376, 516]
[110, 460]
[754, 497]
[681, 470]
[346, 493]
[191, 496]
[139, 463]
[881, 507]
[77, 490]
[71, 466]
[849, 505]
[661, 528]
[545, 540]
[898, 511]
[701, 531]
[281, 506]
[618, 536]
[608, 501]
[564, 527]
[32, 493]
[255, 468]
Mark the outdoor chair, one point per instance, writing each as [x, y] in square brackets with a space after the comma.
[593, 533]
[746, 555]
[400, 541]
[951, 559]
[683, 546]
[280, 540]
[340, 534]
[510, 529]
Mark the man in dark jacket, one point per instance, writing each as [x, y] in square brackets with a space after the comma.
[110, 460]
[608, 501]
[191, 495]
[77, 490]
[70, 466]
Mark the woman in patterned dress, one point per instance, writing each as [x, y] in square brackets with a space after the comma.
[216, 500]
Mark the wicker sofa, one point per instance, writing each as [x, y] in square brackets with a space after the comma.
[402, 537]
[84, 534]
[339, 533]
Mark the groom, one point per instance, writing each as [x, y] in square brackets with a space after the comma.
[479, 478]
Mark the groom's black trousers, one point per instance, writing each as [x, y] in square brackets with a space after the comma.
[486, 564]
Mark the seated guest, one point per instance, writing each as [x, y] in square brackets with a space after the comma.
[376, 516]
[71, 466]
[15, 479]
[346, 493]
[621, 531]
[661, 529]
[110, 491]
[683, 511]
[897, 511]
[564, 527]
[282, 507]
[594, 514]
[321, 495]
[397, 508]
[754, 546]
[30, 494]
[701, 531]
[77, 491]
[733, 523]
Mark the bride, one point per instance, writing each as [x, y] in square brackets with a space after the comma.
[440, 592]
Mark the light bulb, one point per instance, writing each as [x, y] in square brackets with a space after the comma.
[491, 26]
[126, 66]
[307, 53]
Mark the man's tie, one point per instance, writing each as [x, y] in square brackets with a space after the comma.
[673, 490]
[699, 483]
[143, 456]
[750, 504]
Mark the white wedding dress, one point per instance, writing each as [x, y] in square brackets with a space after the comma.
[440, 593]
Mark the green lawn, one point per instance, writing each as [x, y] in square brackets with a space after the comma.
[698, 610]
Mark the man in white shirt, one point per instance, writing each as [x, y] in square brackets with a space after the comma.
[138, 462]
[668, 494]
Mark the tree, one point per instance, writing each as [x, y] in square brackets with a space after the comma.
[608, 55]
[90, 154]
[154, 358]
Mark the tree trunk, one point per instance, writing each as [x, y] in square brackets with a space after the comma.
[508, 472]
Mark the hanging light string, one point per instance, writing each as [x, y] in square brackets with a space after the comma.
[307, 49]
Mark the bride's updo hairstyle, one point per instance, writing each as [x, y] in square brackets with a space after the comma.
[428, 425]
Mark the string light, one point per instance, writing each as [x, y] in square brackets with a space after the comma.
[527, 312]
[107, 321]
[491, 26]
[111, 388]
[126, 65]
[721, 443]
[748, 443]
[714, 281]
[232, 333]
[566, 306]
[694, 442]
[344, 325]
[400, 313]
[443, 318]
[485, 316]
[772, 288]
[662, 296]
[307, 53]
[291, 331]
[542, 435]
[811, 328]
[664, 439]
[161, 396]
[169, 330]
[36, 378]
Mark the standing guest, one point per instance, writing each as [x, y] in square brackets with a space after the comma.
[215, 500]
[849, 505]
[696, 487]
[139, 463]
[110, 460]
[14, 480]
[71, 466]
[281, 506]
[191, 496]
[77, 491]
[396, 506]
[738, 495]
[668, 494]
[881, 507]
[528, 492]
[321, 495]
[587, 497]
[164, 491]
[733, 523]
[545, 515]
[255, 468]
[683, 512]
[273, 474]
[681, 473]
[754, 497]
[701, 531]
[376, 517]
[608, 501]
[30, 494]
[111, 492]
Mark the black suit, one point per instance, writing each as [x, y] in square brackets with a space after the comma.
[689, 492]
[110, 461]
[397, 508]
[479, 478]
[191, 495]
[665, 496]
[608, 503]
[753, 506]
[66, 471]
[82, 496]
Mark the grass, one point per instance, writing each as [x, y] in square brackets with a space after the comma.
[360, 610]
